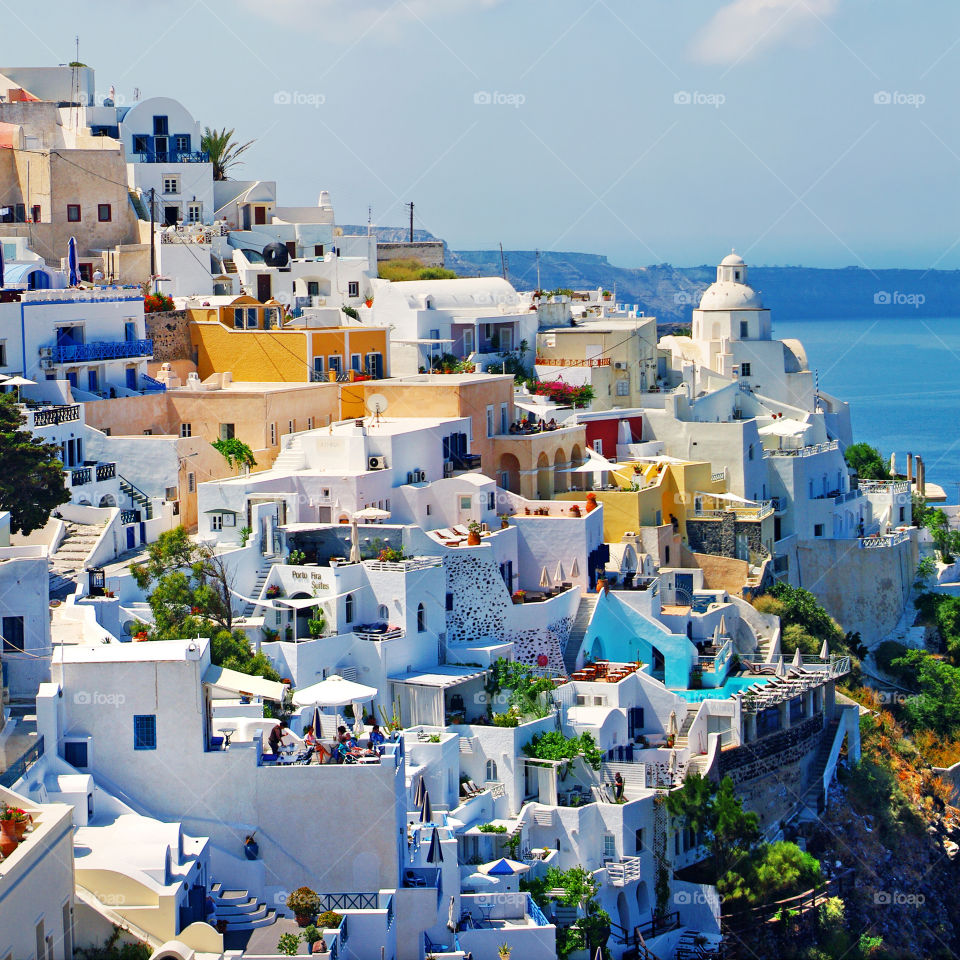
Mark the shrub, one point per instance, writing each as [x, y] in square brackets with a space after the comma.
[304, 902]
[288, 944]
[329, 920]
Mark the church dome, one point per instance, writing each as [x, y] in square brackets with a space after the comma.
[732, 260]
[729, 295]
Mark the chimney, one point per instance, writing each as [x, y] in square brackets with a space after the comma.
[921, 477]
[909, 468]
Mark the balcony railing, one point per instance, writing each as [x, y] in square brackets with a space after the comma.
[80, 476]
[51, 416]
[623, 871]
[22, 764]
[101, 350]
[566, 362]
[884, 486]
[106, 471]
[808, 451]
[170, 156]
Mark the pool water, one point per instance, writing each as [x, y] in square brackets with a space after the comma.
[730, 686]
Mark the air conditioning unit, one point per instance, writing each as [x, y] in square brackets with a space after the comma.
[376, 463]
[46, 363]
[410, 478]
[620, 365]
[448, 468]
[419, 476]
[46, 351]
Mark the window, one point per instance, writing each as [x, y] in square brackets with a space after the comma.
[191, 482]
[182, 142]
[623, 388]
[491, 770]
[226, 431]
[140, 144]
[666, 556]
[638, 841]
[313, 288]
[251, 318]
[186, 429]
[309, 423]
[145, 732]
[12, 633]
[216, 521]
[194, 212]
[466, 502]
[489, 421]
[353, 288]
[171, 183]
[467, 342]
[429, 509]
[744, 369]
[491, 500]
[598, 447]
[750, 452]
[170, 493]
[273, 434]
[448, 605]
[356, 363]
[238, 318]
[75, 753]
[73, 213]
[383, 612]
[609, 847]
[104, 212]
[744, 331]
[160, 126]
[421, 618]
[818, 529]
[504, 426]
[348, 605]
[3, 353]
[318, 368]
[290, 426]
[318, 249]
[335, 363]
[35, 213]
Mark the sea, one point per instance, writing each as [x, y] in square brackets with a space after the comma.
[901, 377]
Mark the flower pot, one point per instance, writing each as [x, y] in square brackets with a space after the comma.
[303, 919]
[8, 837]
[20, 826]
[504, 524]
[575, 511]
[473, 539]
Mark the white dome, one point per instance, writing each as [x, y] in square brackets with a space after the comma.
[729, 295]
[732, 260]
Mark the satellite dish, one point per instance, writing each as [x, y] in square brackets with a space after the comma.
[377, 404]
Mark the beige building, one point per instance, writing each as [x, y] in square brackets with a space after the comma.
[616, 356]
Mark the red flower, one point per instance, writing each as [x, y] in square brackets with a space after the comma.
[542, 660]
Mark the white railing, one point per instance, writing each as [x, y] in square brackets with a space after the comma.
[496, 788]
[884, 486]
[623, 871]
[404, 566]
[883, 540]
[807, 451]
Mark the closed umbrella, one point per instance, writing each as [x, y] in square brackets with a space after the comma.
[797, 658]
[452, 916]
[825, 651]
[781, 672]
[558, 573]
[544, 579]
[435, 853]
[1, 265]
[672, 725]
[354, 540]
[426, 811]
[420, 792]
[73, 267]
[357, 719]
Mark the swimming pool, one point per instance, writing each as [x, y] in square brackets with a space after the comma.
[730, 686]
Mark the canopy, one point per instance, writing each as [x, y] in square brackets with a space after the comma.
[19, 381]
[783, 428]
[480, 880]
[659, 458]
[235, 682]
[729, 497]
[298, 603]
[503, 868]
[333, 692]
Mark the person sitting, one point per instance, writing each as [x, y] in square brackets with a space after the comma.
[377, 739]
[514, 428]
[310, 742]
[552, 425]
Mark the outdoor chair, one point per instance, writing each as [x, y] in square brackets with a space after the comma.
[412, 880]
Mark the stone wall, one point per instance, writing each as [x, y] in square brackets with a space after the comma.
[170, 333]
[429, 253]
[719, 536]
[720, 573]
[531, 646]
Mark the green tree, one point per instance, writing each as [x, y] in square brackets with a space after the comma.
[867, 461]
[235, 452]
[31, 474]
[772, 872]
[223, 151]
[580, 889]
[936, 705]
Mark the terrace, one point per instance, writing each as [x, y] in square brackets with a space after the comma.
[100, 350]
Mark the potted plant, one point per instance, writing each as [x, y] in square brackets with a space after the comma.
[504, 521]
[696, 679]
[369, 301]
[141, 635]
[288, 633]
[21, 820]
[575, 510]
[8, 831]
[473, 534]
[591, 502]
[518, 596]
[503, 951]
[305, 904]
[274, 591]
[311, 935]
[607, 294]
[316, 626]
[602, 586]
[251, 849]
[269, 634]
[288, 944]
[329, 920]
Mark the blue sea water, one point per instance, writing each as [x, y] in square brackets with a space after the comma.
[901, 377]
[730, 686]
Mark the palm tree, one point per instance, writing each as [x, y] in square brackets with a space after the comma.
[223, 152]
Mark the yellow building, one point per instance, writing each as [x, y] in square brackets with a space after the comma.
[251, 340]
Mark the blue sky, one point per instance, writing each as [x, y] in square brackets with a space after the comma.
[819, 132]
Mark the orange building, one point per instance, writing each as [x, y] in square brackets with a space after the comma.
[253, 342]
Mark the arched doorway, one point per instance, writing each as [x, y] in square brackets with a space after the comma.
[544, 478]
[559, 472]
[509, 473]
[643, 902]
[623, 912]
[304, 616]
[576, 458]
[108, 500]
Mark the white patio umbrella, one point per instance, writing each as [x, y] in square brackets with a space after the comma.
[825, 651]
[575, 569]
[333, 692]
[797, 658]
[545, 579]
[893, 464]
[371, 513]
[354, 540]
[558, 573]
[783, 428]
[480, 880]
[18, 382]
[503, 867]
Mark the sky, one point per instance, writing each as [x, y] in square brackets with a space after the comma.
[815, 132]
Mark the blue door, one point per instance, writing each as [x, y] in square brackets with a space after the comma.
[131, 537]
[92, 381]
[143, 532]
[72, 377]
[131, 378]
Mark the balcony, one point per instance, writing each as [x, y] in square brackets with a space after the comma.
[170, 156]
[567, 362]
[101, 350]
[807, 451]
[624, 871]
[51, 416]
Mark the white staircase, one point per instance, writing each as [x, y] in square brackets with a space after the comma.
[73, 551]
[239, 910]
[291, 459]
[682, 738]
[588, 603]
[250, 608]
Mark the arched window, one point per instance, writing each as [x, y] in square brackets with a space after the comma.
[383, 612]
[421, 618]
[491, 770]
[348, 608]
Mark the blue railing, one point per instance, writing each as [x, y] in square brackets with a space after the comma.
[102, 350]
[129, 516]
[106, 471]
[22, 764]
[148, 383]
[536, 913]
[390, 911]
[171, 156]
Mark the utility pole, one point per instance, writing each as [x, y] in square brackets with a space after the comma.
[153, 250]
[411, 221]
[503, 263]
[538, 271]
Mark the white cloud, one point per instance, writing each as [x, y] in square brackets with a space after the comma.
[744, 28]
[332, 15]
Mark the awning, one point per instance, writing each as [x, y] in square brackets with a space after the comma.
[221, 510]
[333, 692]
[299, 603]
[438, 677]
[232, 681]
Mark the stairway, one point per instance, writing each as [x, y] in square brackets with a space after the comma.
[73, 551]
[239, 910]
[228, 265]
[250, 608]
[137, 496]
[814, 796]
[588, 603]
[291, 459]
[682, 738]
